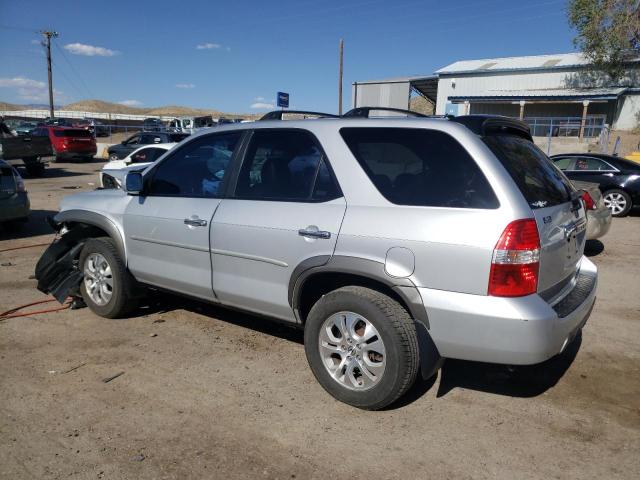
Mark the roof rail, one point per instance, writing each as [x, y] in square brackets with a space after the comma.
[364, 112]
[277, 114]
[494, 124]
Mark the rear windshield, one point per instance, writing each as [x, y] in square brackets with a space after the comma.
[416, 166]
[78, 133]
[7, 183]
[540, 182]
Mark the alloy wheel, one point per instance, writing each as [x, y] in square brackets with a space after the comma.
[352, 351]
[98, 279]
[615, 202]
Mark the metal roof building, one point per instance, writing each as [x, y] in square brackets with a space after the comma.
[557, 94]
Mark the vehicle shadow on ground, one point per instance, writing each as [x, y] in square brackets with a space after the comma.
[523, 381]
[36, 225]
[593, 248]
[50, 172]
[163, 302]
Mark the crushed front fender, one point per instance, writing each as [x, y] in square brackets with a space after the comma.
[57, 269]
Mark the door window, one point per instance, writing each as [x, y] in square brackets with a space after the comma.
[563, 163]
[590, 164]
[147, 155]
[285, 165]
[195, 170]
[416, 166]
[132, 140]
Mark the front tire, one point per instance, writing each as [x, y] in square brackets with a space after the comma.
[618, 202]
[107, 287]
[362, 347]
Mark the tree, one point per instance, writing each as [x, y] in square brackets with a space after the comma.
[608, 32]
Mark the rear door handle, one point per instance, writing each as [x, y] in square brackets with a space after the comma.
[195, 222]
[313, 232]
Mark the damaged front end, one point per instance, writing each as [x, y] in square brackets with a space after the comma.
[57, 270]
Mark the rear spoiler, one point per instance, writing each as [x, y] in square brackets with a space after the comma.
[486, 125]
[277, 114]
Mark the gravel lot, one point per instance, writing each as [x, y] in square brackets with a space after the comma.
[208, 393]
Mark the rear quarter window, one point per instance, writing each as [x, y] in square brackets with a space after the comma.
[541, 183]
[420, 167]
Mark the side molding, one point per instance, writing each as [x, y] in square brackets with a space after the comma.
[97, 220]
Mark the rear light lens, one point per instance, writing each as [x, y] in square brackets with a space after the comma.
[516, 260]
[589, 204]
[19, 183]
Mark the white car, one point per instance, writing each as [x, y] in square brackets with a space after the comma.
[113, 173]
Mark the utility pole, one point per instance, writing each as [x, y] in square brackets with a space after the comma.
[340, 78]
[47, 44]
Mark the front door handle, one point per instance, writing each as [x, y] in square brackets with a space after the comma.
[313, 232]
[195, 222]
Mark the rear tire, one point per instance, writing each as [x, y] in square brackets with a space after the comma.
[113, 157]
[108, 288]
[362, 347]
[618, 202]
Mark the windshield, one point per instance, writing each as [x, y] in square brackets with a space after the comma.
[541, 183]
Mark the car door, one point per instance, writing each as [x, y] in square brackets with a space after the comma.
[167, 228]
[285, 207]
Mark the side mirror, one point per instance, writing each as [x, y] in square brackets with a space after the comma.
[133, 183]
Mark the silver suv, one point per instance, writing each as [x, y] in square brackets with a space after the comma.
[394, 243]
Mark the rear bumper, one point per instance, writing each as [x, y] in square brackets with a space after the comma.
[15, 207]
[516, 331]
[598, 223]
[76, 153]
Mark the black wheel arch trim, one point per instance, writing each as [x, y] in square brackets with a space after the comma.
[96, 220]
[370, 269]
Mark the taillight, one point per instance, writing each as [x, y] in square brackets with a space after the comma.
[589, 204]
[20, 184]
[516, 260]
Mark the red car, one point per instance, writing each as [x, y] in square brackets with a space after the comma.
[69, 142]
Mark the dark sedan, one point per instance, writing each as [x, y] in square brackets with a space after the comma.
[618, 179]
[121, 150]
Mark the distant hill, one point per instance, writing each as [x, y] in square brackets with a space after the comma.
[110, 107]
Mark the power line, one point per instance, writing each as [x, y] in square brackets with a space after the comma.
[64, 55]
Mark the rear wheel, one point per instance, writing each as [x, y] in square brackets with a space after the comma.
[618, 201]
[107, 287]
[113, 157]
[362, 347]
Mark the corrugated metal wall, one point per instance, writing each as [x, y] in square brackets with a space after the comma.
[394, 95]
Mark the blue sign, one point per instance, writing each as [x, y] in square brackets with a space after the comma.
[283, 100]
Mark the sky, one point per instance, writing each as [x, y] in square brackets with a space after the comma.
[235, 55]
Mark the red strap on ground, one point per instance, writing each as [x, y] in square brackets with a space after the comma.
[12, 312]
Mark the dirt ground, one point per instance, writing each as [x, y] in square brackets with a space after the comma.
[208, 393]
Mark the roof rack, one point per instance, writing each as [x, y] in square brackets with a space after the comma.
[364, 112]
[277, 114]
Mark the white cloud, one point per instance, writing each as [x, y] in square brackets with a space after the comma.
[130, 103]
[262, 106]
[29, 89]
[21, 82]
[258, 99]
[208, 46]
[185, 85]
[89, 50]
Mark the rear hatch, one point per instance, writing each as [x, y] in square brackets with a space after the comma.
[76, 139]
[7, 182]
[555, 205]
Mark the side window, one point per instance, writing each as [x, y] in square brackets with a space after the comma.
[590, 164]
[147, 139]
[285, 165]
[196, 169]
[563, 163]
[133, 140]
[146, 155]
[415, 166]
